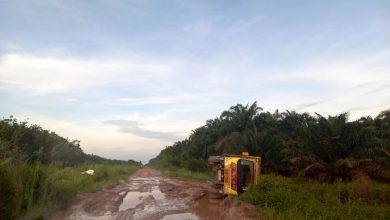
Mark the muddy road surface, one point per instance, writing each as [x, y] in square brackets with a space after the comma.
[148, 195]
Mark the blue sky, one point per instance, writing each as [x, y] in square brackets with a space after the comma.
[128, 78]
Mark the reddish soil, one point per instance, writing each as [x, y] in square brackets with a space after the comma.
[148, 195]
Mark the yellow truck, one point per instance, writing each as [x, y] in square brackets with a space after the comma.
[232, 174]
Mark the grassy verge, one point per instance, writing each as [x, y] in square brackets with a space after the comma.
[296, 198]
[186, 174]
[33, 191]
[183, 173]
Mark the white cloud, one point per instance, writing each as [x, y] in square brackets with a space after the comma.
[166, 122]
[133, 127]
[349, 72]
[39, 75]
[180, 98]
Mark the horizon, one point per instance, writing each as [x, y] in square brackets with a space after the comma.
[128, 78]
[204, 123]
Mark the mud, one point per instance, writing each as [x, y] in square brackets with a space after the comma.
[148, 195]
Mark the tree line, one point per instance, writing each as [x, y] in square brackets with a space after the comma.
[31, 144]
[292, 144]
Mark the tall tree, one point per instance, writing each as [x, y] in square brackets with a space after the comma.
[242, 119]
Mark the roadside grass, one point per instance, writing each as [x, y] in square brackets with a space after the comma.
[186, 174]
[34, 191]
[298, 198]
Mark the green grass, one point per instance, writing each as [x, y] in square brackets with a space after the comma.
[186, 174]
[33, 191]
[297, 198]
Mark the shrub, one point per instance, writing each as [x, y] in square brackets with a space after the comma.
[9, 192]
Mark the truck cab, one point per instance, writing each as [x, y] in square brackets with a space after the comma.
[232, 174]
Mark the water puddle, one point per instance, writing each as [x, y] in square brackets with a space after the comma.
[131, 200]
[180, 216]
[134, 198]
[144, 199]
[157, 194]
[208, 208]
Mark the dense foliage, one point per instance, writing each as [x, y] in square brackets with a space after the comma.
[40, 170]
[293, 144]
[32, 144]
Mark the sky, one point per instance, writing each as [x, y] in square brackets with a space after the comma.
[128, 78]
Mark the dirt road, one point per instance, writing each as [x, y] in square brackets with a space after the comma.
[148, 195]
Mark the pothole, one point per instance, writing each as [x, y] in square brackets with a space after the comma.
[134, 198]
[131, 200]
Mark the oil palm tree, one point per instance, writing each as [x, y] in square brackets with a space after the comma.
[337, 149]
[242, 120]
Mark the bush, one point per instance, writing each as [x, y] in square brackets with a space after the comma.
[9, 192]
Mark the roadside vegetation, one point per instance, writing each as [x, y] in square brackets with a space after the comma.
[187, 174]
[313, 166]
[40, 171]
[298, 198]
[189, 168]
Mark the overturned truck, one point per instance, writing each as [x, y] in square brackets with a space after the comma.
[232, 174]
